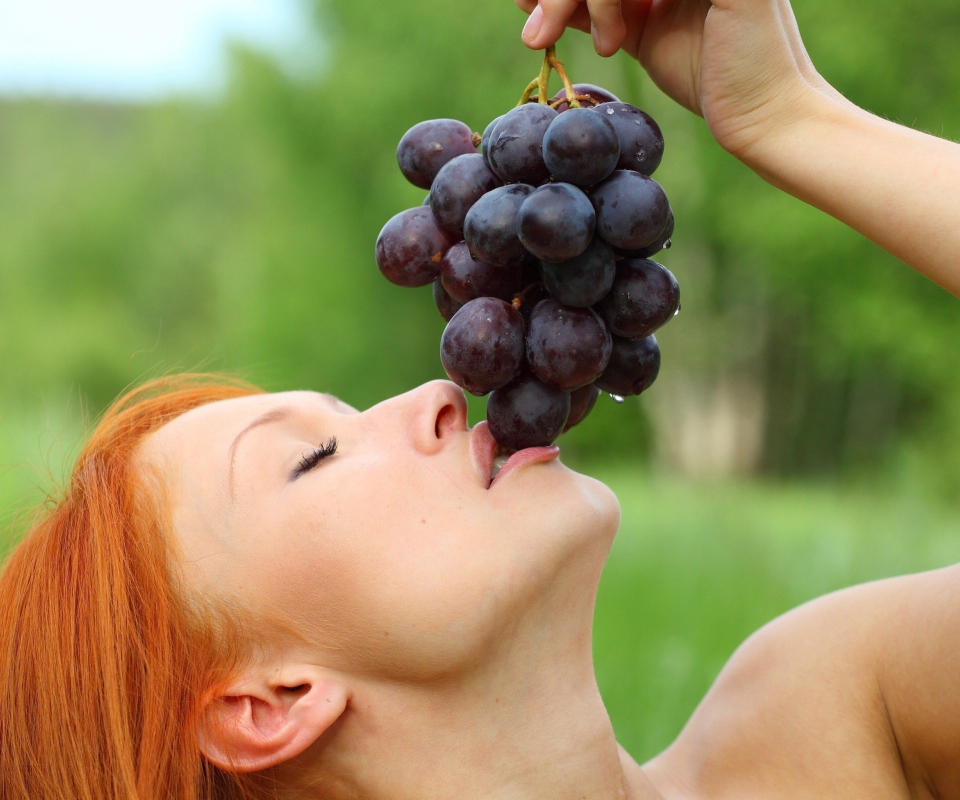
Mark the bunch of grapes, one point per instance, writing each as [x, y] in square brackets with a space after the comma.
[538, 248]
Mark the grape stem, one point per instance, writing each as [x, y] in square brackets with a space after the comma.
[520, 297]
[539, 86]
[528, 92]
[557, 64]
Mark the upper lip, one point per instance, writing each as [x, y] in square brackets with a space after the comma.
[483, 448]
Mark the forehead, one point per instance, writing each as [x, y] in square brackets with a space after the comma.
[208, 430]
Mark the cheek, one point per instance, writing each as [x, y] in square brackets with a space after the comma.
[386, 568]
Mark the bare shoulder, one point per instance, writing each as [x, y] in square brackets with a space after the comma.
[841, 697]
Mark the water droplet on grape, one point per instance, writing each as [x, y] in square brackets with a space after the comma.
[677, 311]
[616, 398]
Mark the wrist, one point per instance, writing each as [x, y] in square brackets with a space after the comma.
[805, 121]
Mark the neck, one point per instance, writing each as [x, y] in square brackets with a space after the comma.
[529, 726]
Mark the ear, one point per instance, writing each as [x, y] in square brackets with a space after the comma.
[265, 717]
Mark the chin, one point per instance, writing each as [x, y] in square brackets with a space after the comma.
[568, 503]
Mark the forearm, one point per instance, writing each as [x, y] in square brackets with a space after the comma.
[898, 187]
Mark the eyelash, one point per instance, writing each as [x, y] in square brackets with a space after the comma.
[309, 461]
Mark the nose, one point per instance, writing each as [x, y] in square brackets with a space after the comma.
[429, 416]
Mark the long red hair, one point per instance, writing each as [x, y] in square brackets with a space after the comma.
[103, 660]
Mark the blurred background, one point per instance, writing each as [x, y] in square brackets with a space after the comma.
[199, 184]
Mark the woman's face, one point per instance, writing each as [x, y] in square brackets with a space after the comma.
[394, 555]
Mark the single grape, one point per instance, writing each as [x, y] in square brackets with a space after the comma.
[516, 144]
[581, 147]
[644, 296]
[411, 246]
[567, 347]
[663, 242]
[641, 142]
[583, 280]
[633, 366]
[459, 184]
[582, 401]
[527, 413]
[631, 209]
[556, 222]
[446, 305]
[490, 227]
[599, 94]
[466, 279]
[482, 346]
[427, 146]
[485, 139]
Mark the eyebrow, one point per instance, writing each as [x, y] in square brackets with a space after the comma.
[275, 415]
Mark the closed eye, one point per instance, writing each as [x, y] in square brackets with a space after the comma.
[309, 460]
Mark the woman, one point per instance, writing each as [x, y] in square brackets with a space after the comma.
[274, 595]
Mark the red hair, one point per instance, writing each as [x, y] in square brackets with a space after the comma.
[103, 662]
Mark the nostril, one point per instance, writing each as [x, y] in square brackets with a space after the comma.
[446, 417]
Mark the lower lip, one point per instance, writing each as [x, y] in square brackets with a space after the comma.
[531, 455]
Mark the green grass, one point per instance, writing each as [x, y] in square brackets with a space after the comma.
[695, 569]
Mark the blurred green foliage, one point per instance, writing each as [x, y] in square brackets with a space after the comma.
[237, 233]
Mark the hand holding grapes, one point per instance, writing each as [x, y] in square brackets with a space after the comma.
[738, 63]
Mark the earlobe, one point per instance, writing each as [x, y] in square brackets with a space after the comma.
[259, 722]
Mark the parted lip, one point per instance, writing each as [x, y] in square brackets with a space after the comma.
[483, 448]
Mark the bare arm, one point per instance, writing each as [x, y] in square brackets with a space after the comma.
[742, 65]
[898, 187]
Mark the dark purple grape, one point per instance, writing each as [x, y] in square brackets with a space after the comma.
[411, 246]
[581, 147]
[663, 242]
[516, 144]
[641, 142]
[490, 227]
[556, 222]
[567, 347]
[482, 346]
[584, 280]
[631, 209]
[459, 184]
[466, 279]
[485, 139]
[597, 93]
[582, 401]
[633, 366]
[446, 305]
[643, 297]
[527, 413]
[427, 146]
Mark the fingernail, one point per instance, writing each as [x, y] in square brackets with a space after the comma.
[596, 38]
[534, 22]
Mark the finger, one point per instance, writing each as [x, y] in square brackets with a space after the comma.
[547, 22]
[608, 28]
[526, 5]
[635, 14]
[580, 19]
